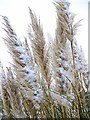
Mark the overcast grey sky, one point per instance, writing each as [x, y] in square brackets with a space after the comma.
[17, 12]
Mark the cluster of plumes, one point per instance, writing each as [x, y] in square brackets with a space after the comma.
[36, 68]
[22, 78]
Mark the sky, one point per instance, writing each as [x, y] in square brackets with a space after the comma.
[18, 14]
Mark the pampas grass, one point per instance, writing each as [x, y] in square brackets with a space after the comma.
[43, 80]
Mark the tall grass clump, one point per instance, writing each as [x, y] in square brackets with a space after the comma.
[45, 80]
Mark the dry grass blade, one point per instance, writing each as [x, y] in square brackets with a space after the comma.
[60, 48]
[38, 45]
[13, 43]
[4, 93]
[14, 96]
